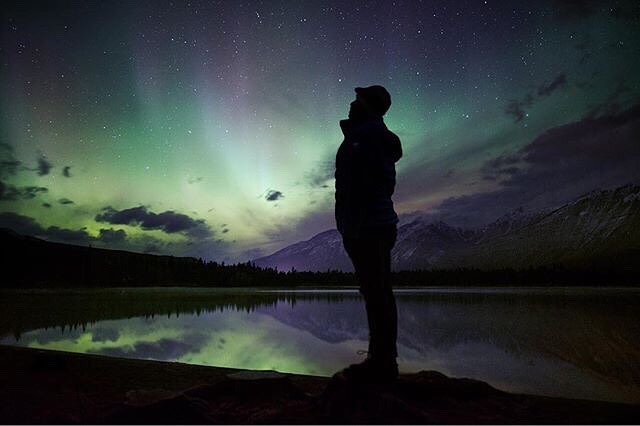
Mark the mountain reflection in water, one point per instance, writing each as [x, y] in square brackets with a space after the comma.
[576, 343]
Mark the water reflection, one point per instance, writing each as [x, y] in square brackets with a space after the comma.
[580, 343]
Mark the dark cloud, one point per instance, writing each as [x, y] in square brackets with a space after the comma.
[560, 82]
[557, 166]
[9, 167]
[8, 164]
[47, 205]
[112, 235]
[66, 171]
[44, 166]
[21, 224]
[28, 226]
[206, 248]
[168, 221]
[79, 236]
[11, 193]
[29, 192]
[65, 201]
[193, 180]
[5, 192]
[517, 108]
[273, 195]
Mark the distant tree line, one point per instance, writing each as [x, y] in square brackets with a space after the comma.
[32, 263]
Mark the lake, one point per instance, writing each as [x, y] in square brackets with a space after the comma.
[567, 342]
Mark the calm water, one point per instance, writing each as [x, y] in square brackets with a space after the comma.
[577, 343]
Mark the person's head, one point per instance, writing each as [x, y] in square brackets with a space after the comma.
[372, 101]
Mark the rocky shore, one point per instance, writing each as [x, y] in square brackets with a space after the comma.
[46, 387]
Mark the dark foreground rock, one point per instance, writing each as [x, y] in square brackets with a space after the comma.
[55, 387]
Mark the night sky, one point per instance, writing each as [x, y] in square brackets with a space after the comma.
[210, 128]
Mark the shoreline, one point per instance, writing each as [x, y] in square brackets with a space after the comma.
[44, 386]
[333, 288]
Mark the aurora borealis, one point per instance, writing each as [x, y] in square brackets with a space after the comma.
[210, 128]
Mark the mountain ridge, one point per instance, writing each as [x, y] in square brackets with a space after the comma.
[595, 228]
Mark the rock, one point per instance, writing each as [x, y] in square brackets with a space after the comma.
[180, 409]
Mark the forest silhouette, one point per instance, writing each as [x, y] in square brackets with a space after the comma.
[35, 263]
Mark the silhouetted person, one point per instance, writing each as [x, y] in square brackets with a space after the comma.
[365, 180]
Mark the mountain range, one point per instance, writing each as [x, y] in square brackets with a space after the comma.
[601, 228]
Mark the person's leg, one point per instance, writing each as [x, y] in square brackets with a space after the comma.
[379, 298]
[389, 313]
[356, 249]
[371, 256]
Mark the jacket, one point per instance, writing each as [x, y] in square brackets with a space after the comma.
[365, 177]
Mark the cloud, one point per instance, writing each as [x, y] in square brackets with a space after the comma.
[47, 205]
[500, 166]
[29, 192]
[44, 166]
[193, 180]
[9, 167]
[79, 236]
[65, 201]
[320, 176]
[66, 171]
[112, 235]
[11, 193]
[26, 225]
[168, 221]
[21, 224]
[560, 82]
[273, 195]
[206, 248]
[557, 166]
[517, 108]
[8, 164]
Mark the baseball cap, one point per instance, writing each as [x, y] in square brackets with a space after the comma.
[376, 97]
